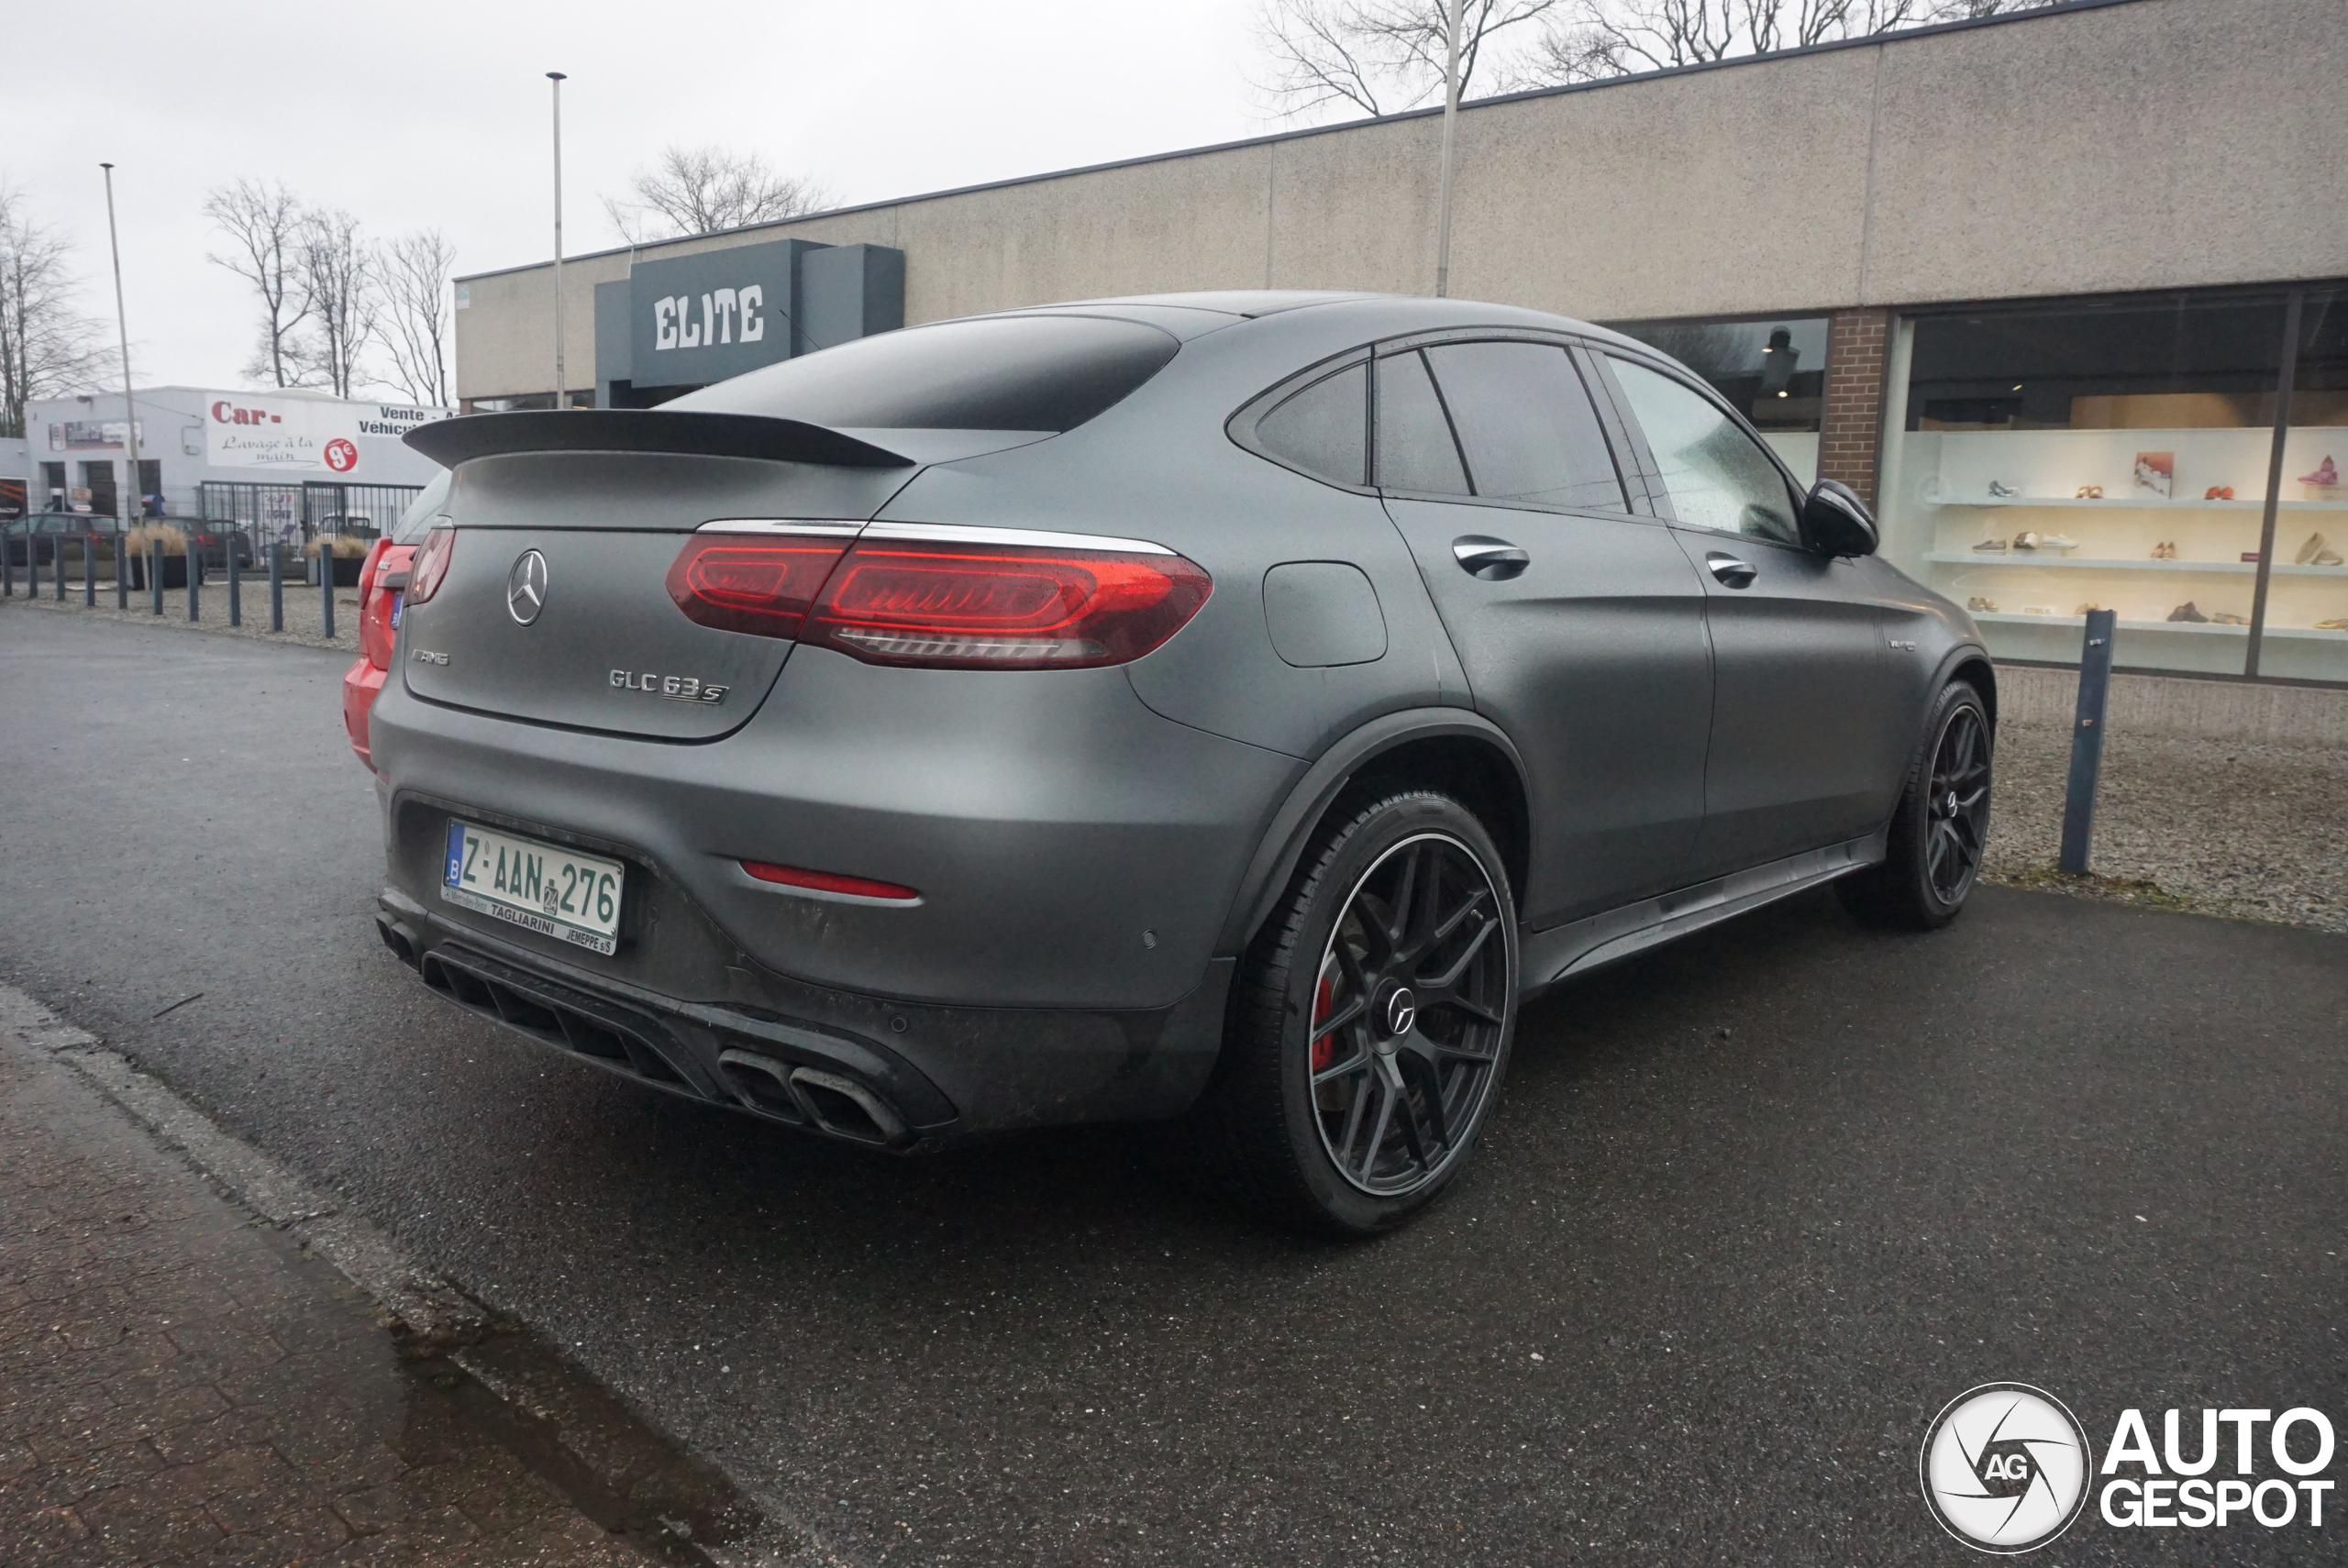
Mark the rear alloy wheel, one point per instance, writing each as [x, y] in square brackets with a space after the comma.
[1932, 855]
[1373, 1024]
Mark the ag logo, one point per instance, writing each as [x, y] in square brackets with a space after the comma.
[2005, 1468]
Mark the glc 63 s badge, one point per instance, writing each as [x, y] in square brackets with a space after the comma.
[676, 688]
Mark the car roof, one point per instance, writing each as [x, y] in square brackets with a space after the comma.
[1381, 316]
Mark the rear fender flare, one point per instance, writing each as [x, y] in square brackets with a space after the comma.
[1290, 829]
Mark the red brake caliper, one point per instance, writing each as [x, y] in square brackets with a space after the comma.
[1324, 1046]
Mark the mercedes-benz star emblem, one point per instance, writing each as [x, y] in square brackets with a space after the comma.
[1401, 1011]
[525, 587]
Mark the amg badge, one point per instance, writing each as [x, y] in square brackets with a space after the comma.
[676, 688]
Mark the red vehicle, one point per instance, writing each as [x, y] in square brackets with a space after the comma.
[383, 581]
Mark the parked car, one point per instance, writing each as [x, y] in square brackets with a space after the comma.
[382, 576]
[1223, 707]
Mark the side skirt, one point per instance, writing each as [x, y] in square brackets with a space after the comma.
[1584, 944]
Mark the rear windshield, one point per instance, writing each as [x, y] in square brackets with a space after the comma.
[1019, 372]
[416, 521]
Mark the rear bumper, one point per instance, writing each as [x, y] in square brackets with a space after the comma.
[1075, 855]
[907, 1077]
[1071, 849]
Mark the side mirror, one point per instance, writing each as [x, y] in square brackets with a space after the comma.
[1837, 521]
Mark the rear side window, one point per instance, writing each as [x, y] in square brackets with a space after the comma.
[1325, 429]
[1415, 449]
[1526, 425]
[1020, 372]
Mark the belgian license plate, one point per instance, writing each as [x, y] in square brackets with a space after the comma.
[543, 887]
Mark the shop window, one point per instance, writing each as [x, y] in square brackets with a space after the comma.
[2304, 632]
[1772, 369]
[2039, 461]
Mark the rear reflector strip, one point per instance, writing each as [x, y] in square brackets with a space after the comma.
[827, 881]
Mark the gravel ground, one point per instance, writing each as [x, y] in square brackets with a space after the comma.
[304, 624]
[2224, 827]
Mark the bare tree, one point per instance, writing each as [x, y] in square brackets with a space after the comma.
[1592, 39]
[47, 346]
[413, 273]
[1379, 56]
[702, 190]
[266, 228]
[338, 280]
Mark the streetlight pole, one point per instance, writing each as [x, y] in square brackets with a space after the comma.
[1450, 125]
[561, 388]
[127, 497]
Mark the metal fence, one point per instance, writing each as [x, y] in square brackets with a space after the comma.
[296, 513]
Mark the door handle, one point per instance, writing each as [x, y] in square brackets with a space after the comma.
[1494, 560]
[1732, 572]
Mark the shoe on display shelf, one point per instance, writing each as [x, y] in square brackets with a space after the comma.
[2164, 551]
[2218, 493]
[2228, 618]
[1991, 547]
[2089, 493]
[2001, 490]
[2062, 542]
[2186, 612]
[2339, 624]
[1986, 606]
[2326, 473]
[2025, 540]
[2307, 551]
[2088, 608]
[2326, 557]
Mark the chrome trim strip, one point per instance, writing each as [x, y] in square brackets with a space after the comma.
[952, 534]
[781, 525]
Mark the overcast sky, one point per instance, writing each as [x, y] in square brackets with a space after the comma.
[431, 113]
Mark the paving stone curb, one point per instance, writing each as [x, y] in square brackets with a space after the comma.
[414, 1302]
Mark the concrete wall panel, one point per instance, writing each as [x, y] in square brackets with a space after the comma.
[2134, 146]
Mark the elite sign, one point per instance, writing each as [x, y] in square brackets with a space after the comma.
[700, 319]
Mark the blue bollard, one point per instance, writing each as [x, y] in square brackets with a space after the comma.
[2087, 741]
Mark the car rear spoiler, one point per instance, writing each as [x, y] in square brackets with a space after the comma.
[452, 441]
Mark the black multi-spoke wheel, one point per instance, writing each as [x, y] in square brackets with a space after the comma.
[1958, 805]
[1408, 1012]
[1933, 851]
[1371, 1028]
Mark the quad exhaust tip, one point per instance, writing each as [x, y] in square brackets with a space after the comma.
[806, 1095]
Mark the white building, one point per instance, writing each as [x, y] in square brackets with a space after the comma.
[285, 457]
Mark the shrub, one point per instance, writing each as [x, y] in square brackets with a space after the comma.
[174, 541]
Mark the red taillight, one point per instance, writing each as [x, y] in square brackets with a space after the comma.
[374, 619]
[826, 881]
[738, 582]
[976, 606]
[430, 567]
[959, 603]
[367, 568]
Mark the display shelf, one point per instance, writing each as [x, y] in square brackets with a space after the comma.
[2014, 618]
[2046, 558]
[2113, 503]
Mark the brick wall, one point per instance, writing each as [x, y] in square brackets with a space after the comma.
[1853, 422]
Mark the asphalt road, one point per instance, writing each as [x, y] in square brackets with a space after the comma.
[1753, 1210]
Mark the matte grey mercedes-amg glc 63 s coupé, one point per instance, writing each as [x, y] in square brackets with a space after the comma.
[1223, 709]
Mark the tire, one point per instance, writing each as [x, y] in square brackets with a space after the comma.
[1933, 853]
[1320, 1115]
